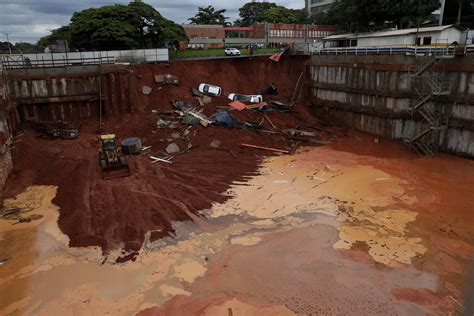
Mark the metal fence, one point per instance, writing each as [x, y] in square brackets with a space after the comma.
[51, 60]
[392, 50]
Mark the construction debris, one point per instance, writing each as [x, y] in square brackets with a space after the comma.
[239, 106]
[272, 89]
[295, 132]
[215, 143]
[167, 79]
[53, 130]
[266, 148]
[172, 148]
[156, 159]
[4, 260]
[281, 107]
[146, 90]
[132, 146]
[256, 106]
[270, 121]
[224, 119]
[162, 123]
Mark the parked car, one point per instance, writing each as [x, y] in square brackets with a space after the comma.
[210, 89]
[232, 52]
[245, 98]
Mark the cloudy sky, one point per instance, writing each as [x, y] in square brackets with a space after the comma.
[28, 20]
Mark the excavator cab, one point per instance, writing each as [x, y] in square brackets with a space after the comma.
[112, 163]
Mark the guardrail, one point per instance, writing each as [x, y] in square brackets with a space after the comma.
[392, 50]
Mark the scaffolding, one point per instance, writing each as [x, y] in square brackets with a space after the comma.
[429, 85]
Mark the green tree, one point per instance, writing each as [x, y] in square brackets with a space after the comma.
[280, 15]
[107, 27]
[136, 25]
[209, 15]
[364, 15]
[253, 12]
[301, 15]
[57, 34]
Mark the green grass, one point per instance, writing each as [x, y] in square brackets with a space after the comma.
[195, 53]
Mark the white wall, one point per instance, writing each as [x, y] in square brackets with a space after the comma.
[400, 40]
[445, 37]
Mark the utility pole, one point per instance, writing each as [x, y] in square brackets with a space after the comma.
[8, 43]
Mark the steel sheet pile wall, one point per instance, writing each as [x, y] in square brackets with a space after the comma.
[70, 94]
[373, 94]
[8, 121]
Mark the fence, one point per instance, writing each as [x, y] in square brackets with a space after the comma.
[50, 60]
[392, 50]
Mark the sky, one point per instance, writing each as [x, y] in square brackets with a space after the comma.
[28, 20]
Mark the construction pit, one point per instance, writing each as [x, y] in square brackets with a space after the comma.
[345, 223]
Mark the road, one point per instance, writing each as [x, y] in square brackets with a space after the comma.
[221, 57]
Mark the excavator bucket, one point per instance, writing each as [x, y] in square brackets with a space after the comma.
[117, 171]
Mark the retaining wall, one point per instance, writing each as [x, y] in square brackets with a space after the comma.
[71, 93]
[373, 93]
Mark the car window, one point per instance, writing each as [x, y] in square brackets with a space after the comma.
[206, 88]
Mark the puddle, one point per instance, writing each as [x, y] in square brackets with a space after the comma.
[235, 307]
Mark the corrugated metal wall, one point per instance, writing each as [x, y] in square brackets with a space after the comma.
[70, 96]
[373, 95]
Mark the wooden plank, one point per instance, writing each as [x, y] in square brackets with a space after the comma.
[270, 121]
[256, 106]
[266, 148]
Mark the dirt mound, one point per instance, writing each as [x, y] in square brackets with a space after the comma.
[119, 212]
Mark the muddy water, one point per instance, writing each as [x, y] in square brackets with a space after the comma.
[324, 231]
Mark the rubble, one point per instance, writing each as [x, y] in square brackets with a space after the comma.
[146, 90]
[224, 119]
[168, 79]
[172, 148]
[215, 143]
[162, 123]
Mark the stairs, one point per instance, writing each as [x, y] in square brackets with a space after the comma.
[428, 86]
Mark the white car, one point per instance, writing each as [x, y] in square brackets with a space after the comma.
[210, 89]
[232, 52]
[245, 98]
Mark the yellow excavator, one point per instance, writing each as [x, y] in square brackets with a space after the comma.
[112, 163]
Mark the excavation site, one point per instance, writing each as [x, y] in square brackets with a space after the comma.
[326, 184]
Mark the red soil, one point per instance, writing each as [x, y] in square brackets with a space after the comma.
[112, 213]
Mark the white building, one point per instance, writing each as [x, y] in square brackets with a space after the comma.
[316, 6]
[437, 35]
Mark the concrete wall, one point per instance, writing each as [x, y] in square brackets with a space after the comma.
[373, 93]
